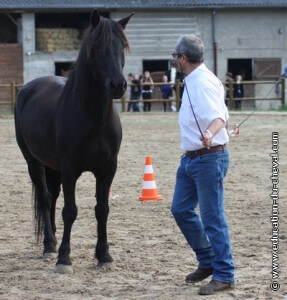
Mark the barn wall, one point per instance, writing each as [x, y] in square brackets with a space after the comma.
[42, 64]
[36, 63]
[11, 63]
[11, 69]
[251, 34]
[240, 33]
[153, 35]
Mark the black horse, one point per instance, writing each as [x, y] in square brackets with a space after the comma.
[67, 126]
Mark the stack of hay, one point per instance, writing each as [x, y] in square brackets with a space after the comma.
[53, 39]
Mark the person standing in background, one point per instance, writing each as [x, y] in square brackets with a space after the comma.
[130, 78]
[228, 79]
[172, 76]
[238, 91]
[166, 92]
[147, 85]
[135, 92]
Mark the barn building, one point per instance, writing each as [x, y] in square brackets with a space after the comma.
[247, 37]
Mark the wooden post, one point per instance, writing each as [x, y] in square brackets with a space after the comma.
[177, 94]
[283, 92]
[13, 95]
[123, 103]
[231, 99]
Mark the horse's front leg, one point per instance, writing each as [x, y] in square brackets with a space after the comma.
[69, 214]
[102, 212]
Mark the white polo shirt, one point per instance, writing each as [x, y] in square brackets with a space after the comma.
[206, 94]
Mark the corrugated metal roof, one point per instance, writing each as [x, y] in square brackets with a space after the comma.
[118, 4]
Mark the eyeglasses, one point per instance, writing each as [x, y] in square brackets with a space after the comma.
[175, 54]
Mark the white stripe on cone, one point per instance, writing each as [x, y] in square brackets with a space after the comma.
[148, 185]
[148, 169]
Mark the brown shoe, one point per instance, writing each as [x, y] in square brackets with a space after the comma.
[215, 286]
[199, 275]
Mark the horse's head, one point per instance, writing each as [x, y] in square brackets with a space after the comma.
[107, 44]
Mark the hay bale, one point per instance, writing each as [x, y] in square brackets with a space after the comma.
[53, 39]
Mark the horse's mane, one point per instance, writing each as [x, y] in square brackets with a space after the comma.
[96, 40]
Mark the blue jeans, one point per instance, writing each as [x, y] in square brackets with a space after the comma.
[134, 104]
[200, 181]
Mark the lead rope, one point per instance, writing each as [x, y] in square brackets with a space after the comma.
[244, 120]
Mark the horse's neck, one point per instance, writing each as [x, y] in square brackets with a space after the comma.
[96, 102]
[84, 96]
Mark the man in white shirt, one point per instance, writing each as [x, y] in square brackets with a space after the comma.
[199, 180]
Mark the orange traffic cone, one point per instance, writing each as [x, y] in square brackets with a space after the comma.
[149, 190]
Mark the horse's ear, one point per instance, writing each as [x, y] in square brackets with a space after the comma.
[95, 18]
[125, 20]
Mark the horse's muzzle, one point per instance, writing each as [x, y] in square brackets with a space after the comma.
[118, 90]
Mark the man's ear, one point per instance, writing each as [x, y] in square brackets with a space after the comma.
[183, 57]
[95, 18]
[125, 20]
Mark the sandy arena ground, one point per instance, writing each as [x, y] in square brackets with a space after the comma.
[151, 257]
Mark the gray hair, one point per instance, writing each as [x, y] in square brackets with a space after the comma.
[192, 47]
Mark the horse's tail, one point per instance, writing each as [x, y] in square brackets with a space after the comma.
[38, 213]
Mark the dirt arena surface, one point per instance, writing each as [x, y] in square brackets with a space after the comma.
[151, 257]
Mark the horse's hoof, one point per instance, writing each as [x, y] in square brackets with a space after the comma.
[105, 265]
[50, 256]
[64, 269]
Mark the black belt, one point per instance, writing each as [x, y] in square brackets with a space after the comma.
[196, 153]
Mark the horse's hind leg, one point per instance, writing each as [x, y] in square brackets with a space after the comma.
[42, 204]
[53, 180]
[102, 212]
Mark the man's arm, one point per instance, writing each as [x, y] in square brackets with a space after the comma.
[213, 128]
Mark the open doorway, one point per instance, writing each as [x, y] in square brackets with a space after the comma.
[241, 67]
[156, 65]
[157, 69]
[63, 68]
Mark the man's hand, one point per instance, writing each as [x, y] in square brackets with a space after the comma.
[211, 131]
[206, 139]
